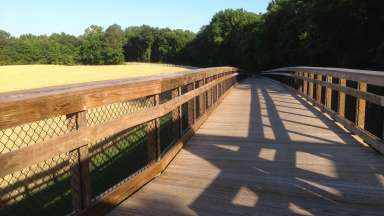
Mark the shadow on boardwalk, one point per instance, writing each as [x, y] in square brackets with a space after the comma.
[265, 151]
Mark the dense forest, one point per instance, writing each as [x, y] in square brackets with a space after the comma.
[336, 33]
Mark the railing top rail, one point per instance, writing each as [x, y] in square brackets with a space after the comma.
[32, 105]
[68, 88]
[370, 77]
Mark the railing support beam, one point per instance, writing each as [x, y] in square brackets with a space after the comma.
[361, 106]
[328, 94]
[319, 88]
[341, 109]
[81, 179]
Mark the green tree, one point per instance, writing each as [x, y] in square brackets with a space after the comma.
[113, 45]
[169, 43]
[222, 41]
[63, 49]
[4, 40]
[139, 43]
[91, 48]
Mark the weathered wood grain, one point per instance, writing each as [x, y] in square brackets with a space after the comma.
[361, 106]
[341, 109]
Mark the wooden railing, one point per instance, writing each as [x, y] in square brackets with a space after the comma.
[83, 148]
[355, 98]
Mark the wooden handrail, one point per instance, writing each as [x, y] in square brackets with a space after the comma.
[371, 77]
[31, 105]
[338, 80]
[21, 108]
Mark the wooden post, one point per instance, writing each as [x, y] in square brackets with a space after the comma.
[305, 84]
[80, 175]
[328, 94]
[361, 105]
[343, 82]
[218, 90]
[319, 88]
[195, 104]
[300, 82]
[311, 84]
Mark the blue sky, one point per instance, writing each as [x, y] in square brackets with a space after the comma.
[71, 16]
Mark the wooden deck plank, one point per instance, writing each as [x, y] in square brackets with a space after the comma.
[264, 151]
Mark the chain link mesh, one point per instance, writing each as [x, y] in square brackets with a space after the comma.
[120, 156]
[169, 123]
[169, 129]
[31, 133]
[43, 187]
[187, 108]
[102, 114]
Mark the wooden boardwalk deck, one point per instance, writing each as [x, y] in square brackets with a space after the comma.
[265, 151]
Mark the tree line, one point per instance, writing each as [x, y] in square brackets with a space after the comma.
[95, 47]
[328, 33]
[333, 33]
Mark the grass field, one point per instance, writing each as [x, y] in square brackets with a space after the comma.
[20, 77]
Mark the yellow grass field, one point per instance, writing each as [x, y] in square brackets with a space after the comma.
[20, 77]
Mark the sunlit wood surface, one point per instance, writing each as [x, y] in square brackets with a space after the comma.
[265, 151]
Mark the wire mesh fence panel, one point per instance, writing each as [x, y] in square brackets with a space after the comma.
[170, 122]
[187, 109]
[166, 96]
[335, 96]
[169, 130]
[41, 188]
[199, 101]
[31, 133]
[110, 112]
[122, 154]
[185, 117]
[119, 156]
[374, 119]
[350, 103]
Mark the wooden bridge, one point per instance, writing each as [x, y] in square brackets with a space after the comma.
[305, 141]
[266, 151]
